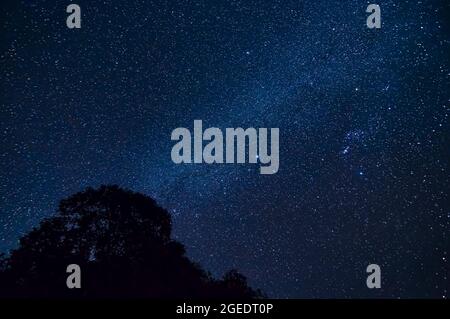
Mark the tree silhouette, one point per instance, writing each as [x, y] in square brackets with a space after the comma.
[122, 242]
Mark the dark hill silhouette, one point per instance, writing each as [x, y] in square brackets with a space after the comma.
[122, 242]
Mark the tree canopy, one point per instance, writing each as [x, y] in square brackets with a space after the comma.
[122, 242]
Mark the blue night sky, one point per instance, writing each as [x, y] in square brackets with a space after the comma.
[362, 113]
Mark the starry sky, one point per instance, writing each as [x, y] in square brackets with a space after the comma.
[362, 113]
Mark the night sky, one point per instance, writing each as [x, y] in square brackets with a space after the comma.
[362, 113]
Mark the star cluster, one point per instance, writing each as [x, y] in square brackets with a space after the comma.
[363, 118]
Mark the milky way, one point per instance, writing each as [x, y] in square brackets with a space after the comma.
[363, 118]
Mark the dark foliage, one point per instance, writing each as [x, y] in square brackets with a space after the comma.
[122, 242]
